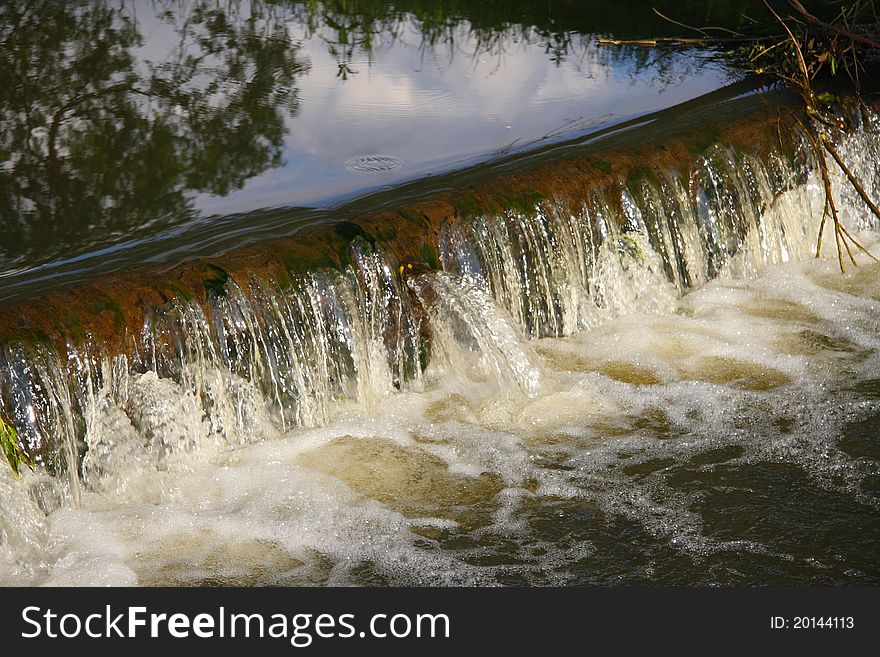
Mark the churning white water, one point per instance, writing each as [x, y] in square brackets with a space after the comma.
[594, 409]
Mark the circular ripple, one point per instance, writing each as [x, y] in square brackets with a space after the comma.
[374, 163]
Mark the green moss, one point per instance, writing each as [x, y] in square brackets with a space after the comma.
[413, 216]
[283, 279]
[25, 335]
[638, 174]
[603, 165]
[215, 281]
[15, 455]
[629, 245]
[532, 197]
[467, 205]
[69, 324]
[386, 234]
[424, 352]
[430, 256]
[703, 140]
[348, 231]
[300, 263]
[174, 292]
[105, 304]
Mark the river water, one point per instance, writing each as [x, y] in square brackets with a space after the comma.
[664, 387]
[198, 126]
[727, 436]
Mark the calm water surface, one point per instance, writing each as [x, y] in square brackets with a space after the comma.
[143, 130]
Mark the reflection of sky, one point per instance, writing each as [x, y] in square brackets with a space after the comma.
[441, 107]
[432, 108]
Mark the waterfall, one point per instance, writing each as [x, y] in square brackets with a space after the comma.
[562, 269]
[258, 356]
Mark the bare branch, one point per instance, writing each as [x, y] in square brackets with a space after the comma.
[861, 38]
[849, 174]
[701, 30]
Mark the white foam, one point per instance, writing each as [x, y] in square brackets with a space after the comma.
[199, 476]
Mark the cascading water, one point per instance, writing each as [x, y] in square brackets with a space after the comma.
[390, 424]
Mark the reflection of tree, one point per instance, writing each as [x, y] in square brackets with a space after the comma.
[349, 27]
[96, 144]
[99, 140]
[563, 28]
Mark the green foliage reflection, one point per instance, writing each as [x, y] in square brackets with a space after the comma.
[99, 141]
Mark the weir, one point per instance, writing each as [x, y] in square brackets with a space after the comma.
[288, 331]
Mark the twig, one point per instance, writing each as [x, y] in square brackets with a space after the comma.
[830, 206]
[701, 30]
[672, 41]
[651, 42]
[766, 50]
[830, 199]
[849, 174]
[800, 56]
[868, 41]
[858, 244]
